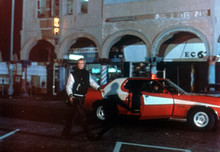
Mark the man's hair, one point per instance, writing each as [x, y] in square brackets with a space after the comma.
[81, 59]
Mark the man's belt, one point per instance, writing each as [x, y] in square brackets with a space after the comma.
[79, 95]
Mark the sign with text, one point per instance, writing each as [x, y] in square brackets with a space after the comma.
[185, 51]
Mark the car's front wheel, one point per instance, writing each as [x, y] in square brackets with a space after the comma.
[201, 119]
[99, 111]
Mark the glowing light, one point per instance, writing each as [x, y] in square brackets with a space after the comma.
[113, 70]
[153, 76]
[56, 31]
[96, 70]
[75, 57]
[56, 22]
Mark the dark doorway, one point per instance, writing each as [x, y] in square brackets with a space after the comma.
[182, 74]
[43, 51]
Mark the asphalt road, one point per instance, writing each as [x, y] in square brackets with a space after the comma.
[36, 126]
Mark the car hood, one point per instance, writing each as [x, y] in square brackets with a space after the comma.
[205, 94]
[205, 98]
[197, 98]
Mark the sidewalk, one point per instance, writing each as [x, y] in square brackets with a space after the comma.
[60, 96]
[36, 108]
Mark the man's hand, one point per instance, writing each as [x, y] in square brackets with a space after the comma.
[101, 90]
[71, 99]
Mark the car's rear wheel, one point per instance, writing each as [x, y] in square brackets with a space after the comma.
[99, 111]
[201, 119]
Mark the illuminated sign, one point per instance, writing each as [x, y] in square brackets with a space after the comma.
[96, 70]
[89, 53]
[75, 57]
[56, 24]
[56, 32]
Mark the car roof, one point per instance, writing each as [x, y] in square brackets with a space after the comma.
[144, 78]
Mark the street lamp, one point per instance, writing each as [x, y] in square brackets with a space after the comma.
[10, 89]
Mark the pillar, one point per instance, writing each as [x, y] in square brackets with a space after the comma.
[25, 64]
[104, 74]
[211, 73]
[62, 74]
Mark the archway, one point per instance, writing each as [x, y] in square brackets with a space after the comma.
[43, 51]
[133, 37]
[83, 48]
[182, 46]
[178, 34]
[77, 39]
[127, 47]
[183, 51]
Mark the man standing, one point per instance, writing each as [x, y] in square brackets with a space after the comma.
[76, 88]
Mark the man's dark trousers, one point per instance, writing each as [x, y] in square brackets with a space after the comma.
[78, 115]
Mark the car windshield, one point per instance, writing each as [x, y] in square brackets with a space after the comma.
[172, 87]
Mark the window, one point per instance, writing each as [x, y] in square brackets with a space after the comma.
[171, 87]
[84, 6]
[69, 7]
[149, 86]
[44, 8]
[48, 8]
[152, 87]
[55, 8]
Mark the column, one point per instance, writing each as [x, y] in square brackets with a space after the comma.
[25, 64]
[104, 74]
[211, 75]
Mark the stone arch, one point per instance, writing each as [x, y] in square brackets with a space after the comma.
[28, 45]
[46, 54]
[112, 39]
[26, 48]
[165, 35]
[68, 41]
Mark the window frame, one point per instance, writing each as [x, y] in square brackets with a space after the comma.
[48, 10]
[69, 7]
[83, 3]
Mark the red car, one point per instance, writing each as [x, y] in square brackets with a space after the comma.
[156, 99]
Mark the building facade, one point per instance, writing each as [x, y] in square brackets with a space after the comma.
[128, 30]
[104, 22]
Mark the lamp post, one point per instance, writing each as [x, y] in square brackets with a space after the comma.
[10, 89]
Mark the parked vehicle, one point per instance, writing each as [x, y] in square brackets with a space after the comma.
[149, 98]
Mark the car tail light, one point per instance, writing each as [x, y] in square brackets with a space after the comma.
[153, 76]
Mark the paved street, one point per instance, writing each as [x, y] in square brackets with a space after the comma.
[36, 126]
